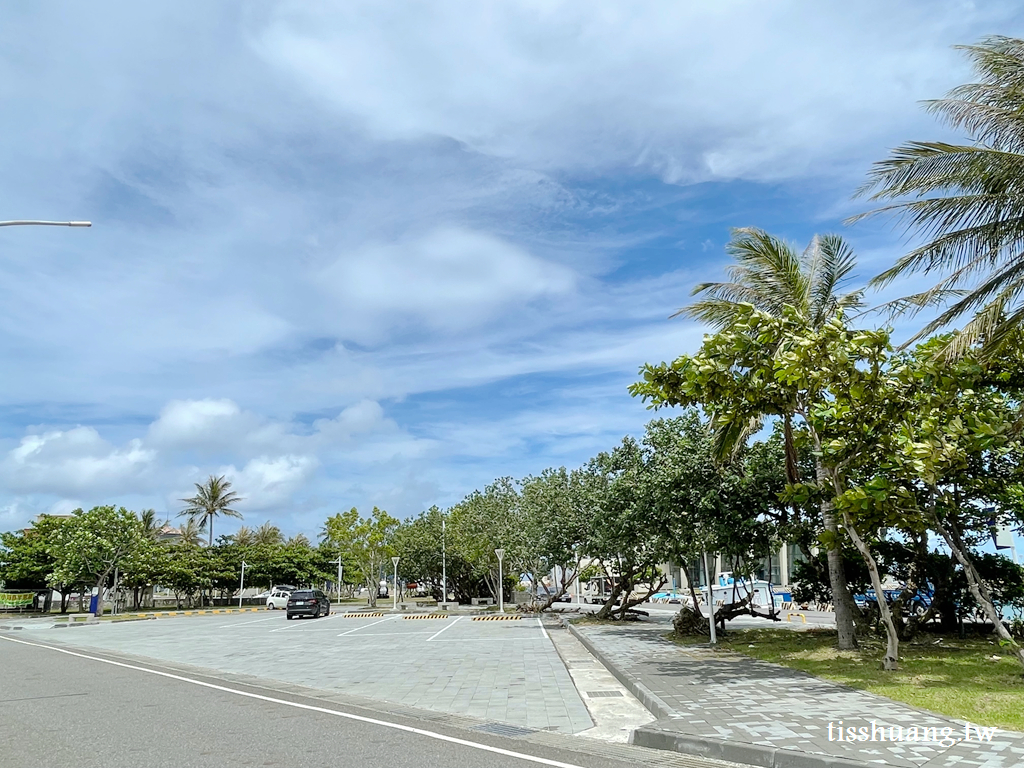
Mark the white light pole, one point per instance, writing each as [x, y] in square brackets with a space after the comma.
[241, 585]
[34, 223]
[395, 561]
[501, 586]
[444, 565]
[711, 601]
[339, 578]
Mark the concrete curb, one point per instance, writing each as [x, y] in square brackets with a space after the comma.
[736, 751]
[647, 697]
[653, 737]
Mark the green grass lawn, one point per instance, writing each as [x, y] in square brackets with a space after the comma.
[955, 677]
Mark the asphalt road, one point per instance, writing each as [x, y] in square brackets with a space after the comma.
[76, 708]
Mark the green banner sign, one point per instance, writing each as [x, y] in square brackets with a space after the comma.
[16, 599]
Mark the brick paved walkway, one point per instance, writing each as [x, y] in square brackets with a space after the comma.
[731, 706]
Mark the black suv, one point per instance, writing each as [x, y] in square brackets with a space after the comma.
[308, 602]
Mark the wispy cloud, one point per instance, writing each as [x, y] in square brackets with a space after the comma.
[380, 254]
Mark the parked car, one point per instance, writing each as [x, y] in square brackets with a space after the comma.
[278, 599]
[308, 602]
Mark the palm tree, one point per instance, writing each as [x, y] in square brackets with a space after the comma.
[771, 276]
[213, 498]
[189, 534]
[267, 534]
[150, 525]
[244, 537]
[967, 200]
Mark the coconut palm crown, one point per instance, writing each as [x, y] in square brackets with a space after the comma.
[966, 201]
[770, 274]
[212, 498]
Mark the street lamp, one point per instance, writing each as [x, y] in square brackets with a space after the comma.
[711, 599]
[444, 566]
[241, 585]
[501, 581]
[395, 561]
[31, 223]
[339, 578]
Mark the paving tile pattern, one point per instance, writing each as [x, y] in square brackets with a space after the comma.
[507, 672]
[732, 697]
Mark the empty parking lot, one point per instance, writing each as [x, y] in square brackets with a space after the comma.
[497, 670]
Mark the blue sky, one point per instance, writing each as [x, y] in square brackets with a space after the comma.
[379, 254]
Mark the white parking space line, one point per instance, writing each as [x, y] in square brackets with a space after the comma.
[444, 628]
[387, 634]
[310, 708]
[243, 623]
[363, 626]
[543, 631]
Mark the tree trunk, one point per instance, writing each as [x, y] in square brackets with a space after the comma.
[892, 654]
[100, 583]
[842, 600]
[609, 604]
[979, 589]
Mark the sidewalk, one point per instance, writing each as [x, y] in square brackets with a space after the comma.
[732, 707]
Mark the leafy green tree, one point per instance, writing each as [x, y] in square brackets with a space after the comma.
[762, 361]
[628, 536]
[772, 277]
[368, 541]
[488, 520]
[967, 201]
[186, 569]
[90, 545]
[558, 514]
[26, 559]
[213, 498]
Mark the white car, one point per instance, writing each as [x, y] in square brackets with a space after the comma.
[278, 600]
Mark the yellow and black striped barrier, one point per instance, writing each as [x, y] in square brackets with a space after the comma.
[498, 617]
[361, 615]
[168, 614]
[428, 616]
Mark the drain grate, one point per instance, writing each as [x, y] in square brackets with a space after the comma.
[501, 729]
[602, 694]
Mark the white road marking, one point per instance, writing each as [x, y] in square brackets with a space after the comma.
[387, 634]
[445, 627]
[243, 623]
[299, 622]
[543, 631]
[311, 708]
[362, 626]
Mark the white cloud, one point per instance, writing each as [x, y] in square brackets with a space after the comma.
[448, 279]
[741, 89]
[269, 482]
[382, 253]
[75, 461]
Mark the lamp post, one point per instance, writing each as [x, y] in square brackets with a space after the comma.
[501, 581]
[711, 600]
[339, 578]
[444, 565]
[34, 223]
[395, 561]
[241, 585]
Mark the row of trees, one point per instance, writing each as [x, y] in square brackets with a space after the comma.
[909, 446]
[84, 551]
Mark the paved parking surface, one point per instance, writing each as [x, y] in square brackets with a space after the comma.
[507, 671]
